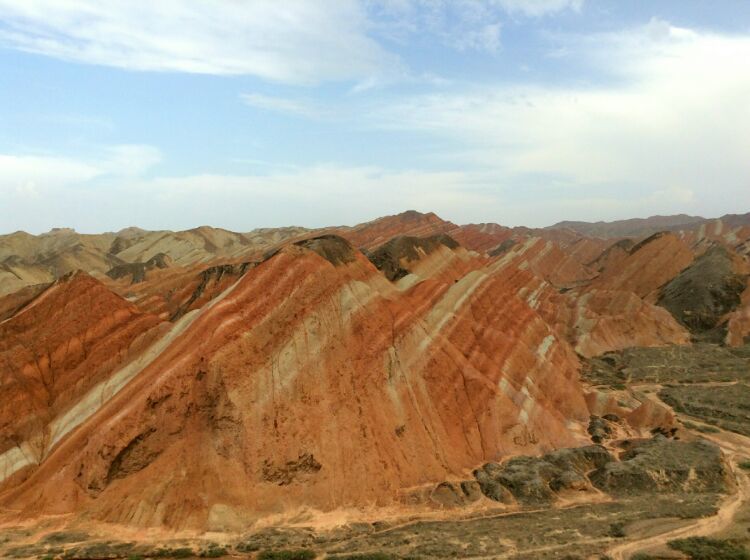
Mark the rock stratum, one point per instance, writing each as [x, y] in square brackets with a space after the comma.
[210, 380]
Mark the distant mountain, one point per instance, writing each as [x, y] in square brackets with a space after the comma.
[736, 220]
[634, 227]
[27, 259]
[642, 227]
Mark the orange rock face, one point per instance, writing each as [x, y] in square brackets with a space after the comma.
[372, 234]
[647, 266]
[54, 350]
[481, 237]
[549, 261]
[605, 320]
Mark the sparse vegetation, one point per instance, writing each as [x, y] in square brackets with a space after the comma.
[287, 555]
[65, 537]
[723, 406]
[700, 295]
[365, 556]
[697, 363]
[617, 529]
[247, 547]
[701, 428]
[702, 548]
[172, 553]
[574, 535]
[213, 551]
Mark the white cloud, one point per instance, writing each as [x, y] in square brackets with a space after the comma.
[460, 24]
[536, 8]
[41, 191]
[318, 195]
[130, 160]
[300, 108]
[673, 117]
[664, 128]
[299, 41]
[313, 196]
[26, 174]
[296, 41]
[22, 172]
[485, 38]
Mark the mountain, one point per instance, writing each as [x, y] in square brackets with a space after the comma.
[413, 405]
[210, 382]
[635, 227]
[55, 349]
[643, 227]
[35, 259]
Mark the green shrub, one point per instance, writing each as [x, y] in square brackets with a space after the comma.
[172, 553]
[365, 556]
[287, 555]
[65, 537]
[617, 530]
[214, 552]
[744, 465]
[701, 548]
[708, 430]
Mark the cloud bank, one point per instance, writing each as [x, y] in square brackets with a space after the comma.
[300, 41]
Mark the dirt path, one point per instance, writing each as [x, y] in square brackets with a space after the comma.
[735, 447]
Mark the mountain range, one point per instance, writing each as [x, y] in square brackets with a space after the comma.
[213, 381]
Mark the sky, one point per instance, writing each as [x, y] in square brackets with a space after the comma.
[259, 113]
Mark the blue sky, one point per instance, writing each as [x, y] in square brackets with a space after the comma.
[245, 114]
